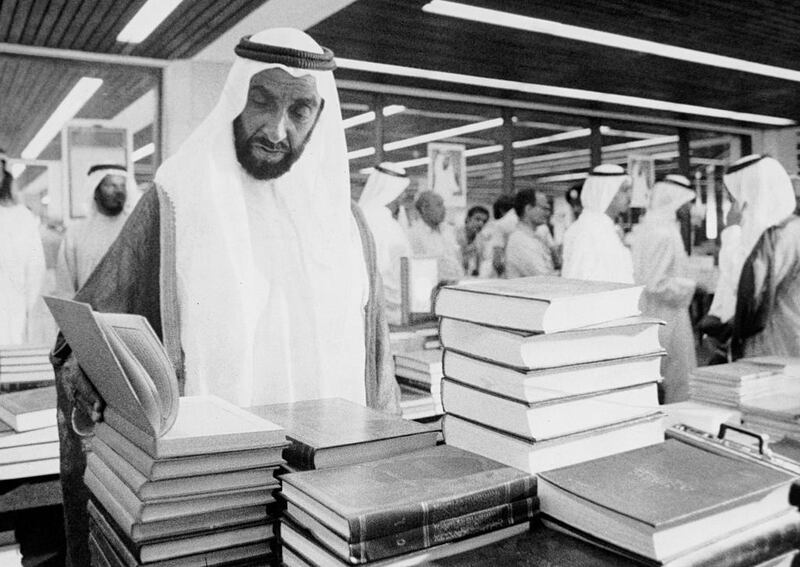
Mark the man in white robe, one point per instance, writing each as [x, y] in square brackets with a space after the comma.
[432, 236]
[379, 202]
[22, 266]
[659, 264]
[86, 242]
[593, 249]
[767, 319]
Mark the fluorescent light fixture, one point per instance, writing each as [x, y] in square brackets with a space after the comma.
[17, 169]
[69, 107]
[370, 116]
[363, 152]
[143, 152]
[536, 25]
[562, 92]
[442, 134]
[571, 135]
[146, 20]
[563, 177]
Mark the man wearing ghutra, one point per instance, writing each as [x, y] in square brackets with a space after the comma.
[767, 319]
[247, 257]
[86, 242]
[593, 249]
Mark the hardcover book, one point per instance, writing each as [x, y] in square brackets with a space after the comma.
[378, 498]
[333, 432]
[551, 418]
[29, 409]
[663, 500]
[526, 351]
[545, 304]
[553, 383]
[427, 361]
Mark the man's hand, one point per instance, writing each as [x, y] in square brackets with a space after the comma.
[84, 398]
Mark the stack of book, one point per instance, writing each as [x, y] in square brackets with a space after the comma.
[409, 509]
[542, 372]
[28, 433]
[776, 413]
[25, 366]
[676, 504]
[175, 481]
[734, 383]
[420, 372]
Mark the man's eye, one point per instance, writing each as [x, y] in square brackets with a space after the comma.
[302, 112]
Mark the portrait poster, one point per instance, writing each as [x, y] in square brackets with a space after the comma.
[447, 173]
[88, 145]
[642, 170]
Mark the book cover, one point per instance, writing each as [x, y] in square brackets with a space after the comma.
[539, 303]
[29, 409]
[421, 537]
[526, 351]
[181, 467]
[169, 548]
[734, 372]
[334, 432]
[203, 425]
[653, 500]
[377, 498]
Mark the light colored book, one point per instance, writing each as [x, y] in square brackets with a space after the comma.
[552, 418]
[553, 383]
[536, 456]
[34, 452]
[428, 361]
[540, 303]
[30, 469]
[31, 437]
[529, 350]
[29, 409]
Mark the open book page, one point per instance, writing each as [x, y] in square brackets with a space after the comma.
[99, 361]
[152, 371]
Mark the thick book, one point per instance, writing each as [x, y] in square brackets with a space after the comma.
[168, 548]
[304, 547]
[110, 554]
[427, 361]
[204, 425]
[29, 409]
[30, 469]
[369, 500]
[664, 500]
[332, 432]
[544, 304]
[33, 452]
[533, 456]
[146, 489]
[525, 351]
[550, 418]
[192, 465]
[767, 543]
[420, 537]
[553, 383]
[31, 437]
[107, 488]
[419, 403]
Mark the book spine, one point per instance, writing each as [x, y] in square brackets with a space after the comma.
[300, 456]
[445, 530]
[386, 522]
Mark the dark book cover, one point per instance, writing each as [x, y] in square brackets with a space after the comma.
[335, 432]
[667, 484]
[382, 497]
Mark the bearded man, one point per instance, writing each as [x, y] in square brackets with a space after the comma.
[247, 258]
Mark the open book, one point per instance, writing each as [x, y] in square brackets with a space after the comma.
[124, 360]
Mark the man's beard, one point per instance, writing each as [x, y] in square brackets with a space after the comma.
[109, 205]
[262, 169]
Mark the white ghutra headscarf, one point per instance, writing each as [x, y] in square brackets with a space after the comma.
[272, 282]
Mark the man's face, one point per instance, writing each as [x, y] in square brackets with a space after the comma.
[271, 132]
[540, 214]
[621, 201]
[111, 194]
[474, 224]
[432, 210]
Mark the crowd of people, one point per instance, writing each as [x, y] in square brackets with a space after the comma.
[266, 284]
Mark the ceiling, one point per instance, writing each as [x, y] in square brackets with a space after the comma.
[400, 33]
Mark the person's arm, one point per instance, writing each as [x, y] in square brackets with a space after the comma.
[654, 256]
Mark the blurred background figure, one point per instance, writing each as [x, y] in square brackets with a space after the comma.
[527, 252]
[659, 264]
[593, 249]
[86, 242]
[431, 236]
[573, 198]
[468, 237]
[380, 202]
[495, 236]
[22, 265]
[767, 319]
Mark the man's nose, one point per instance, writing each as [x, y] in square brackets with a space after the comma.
[275, 127]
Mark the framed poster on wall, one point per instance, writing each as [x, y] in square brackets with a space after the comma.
[87, 145]
[642, 170]
[447, 173]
